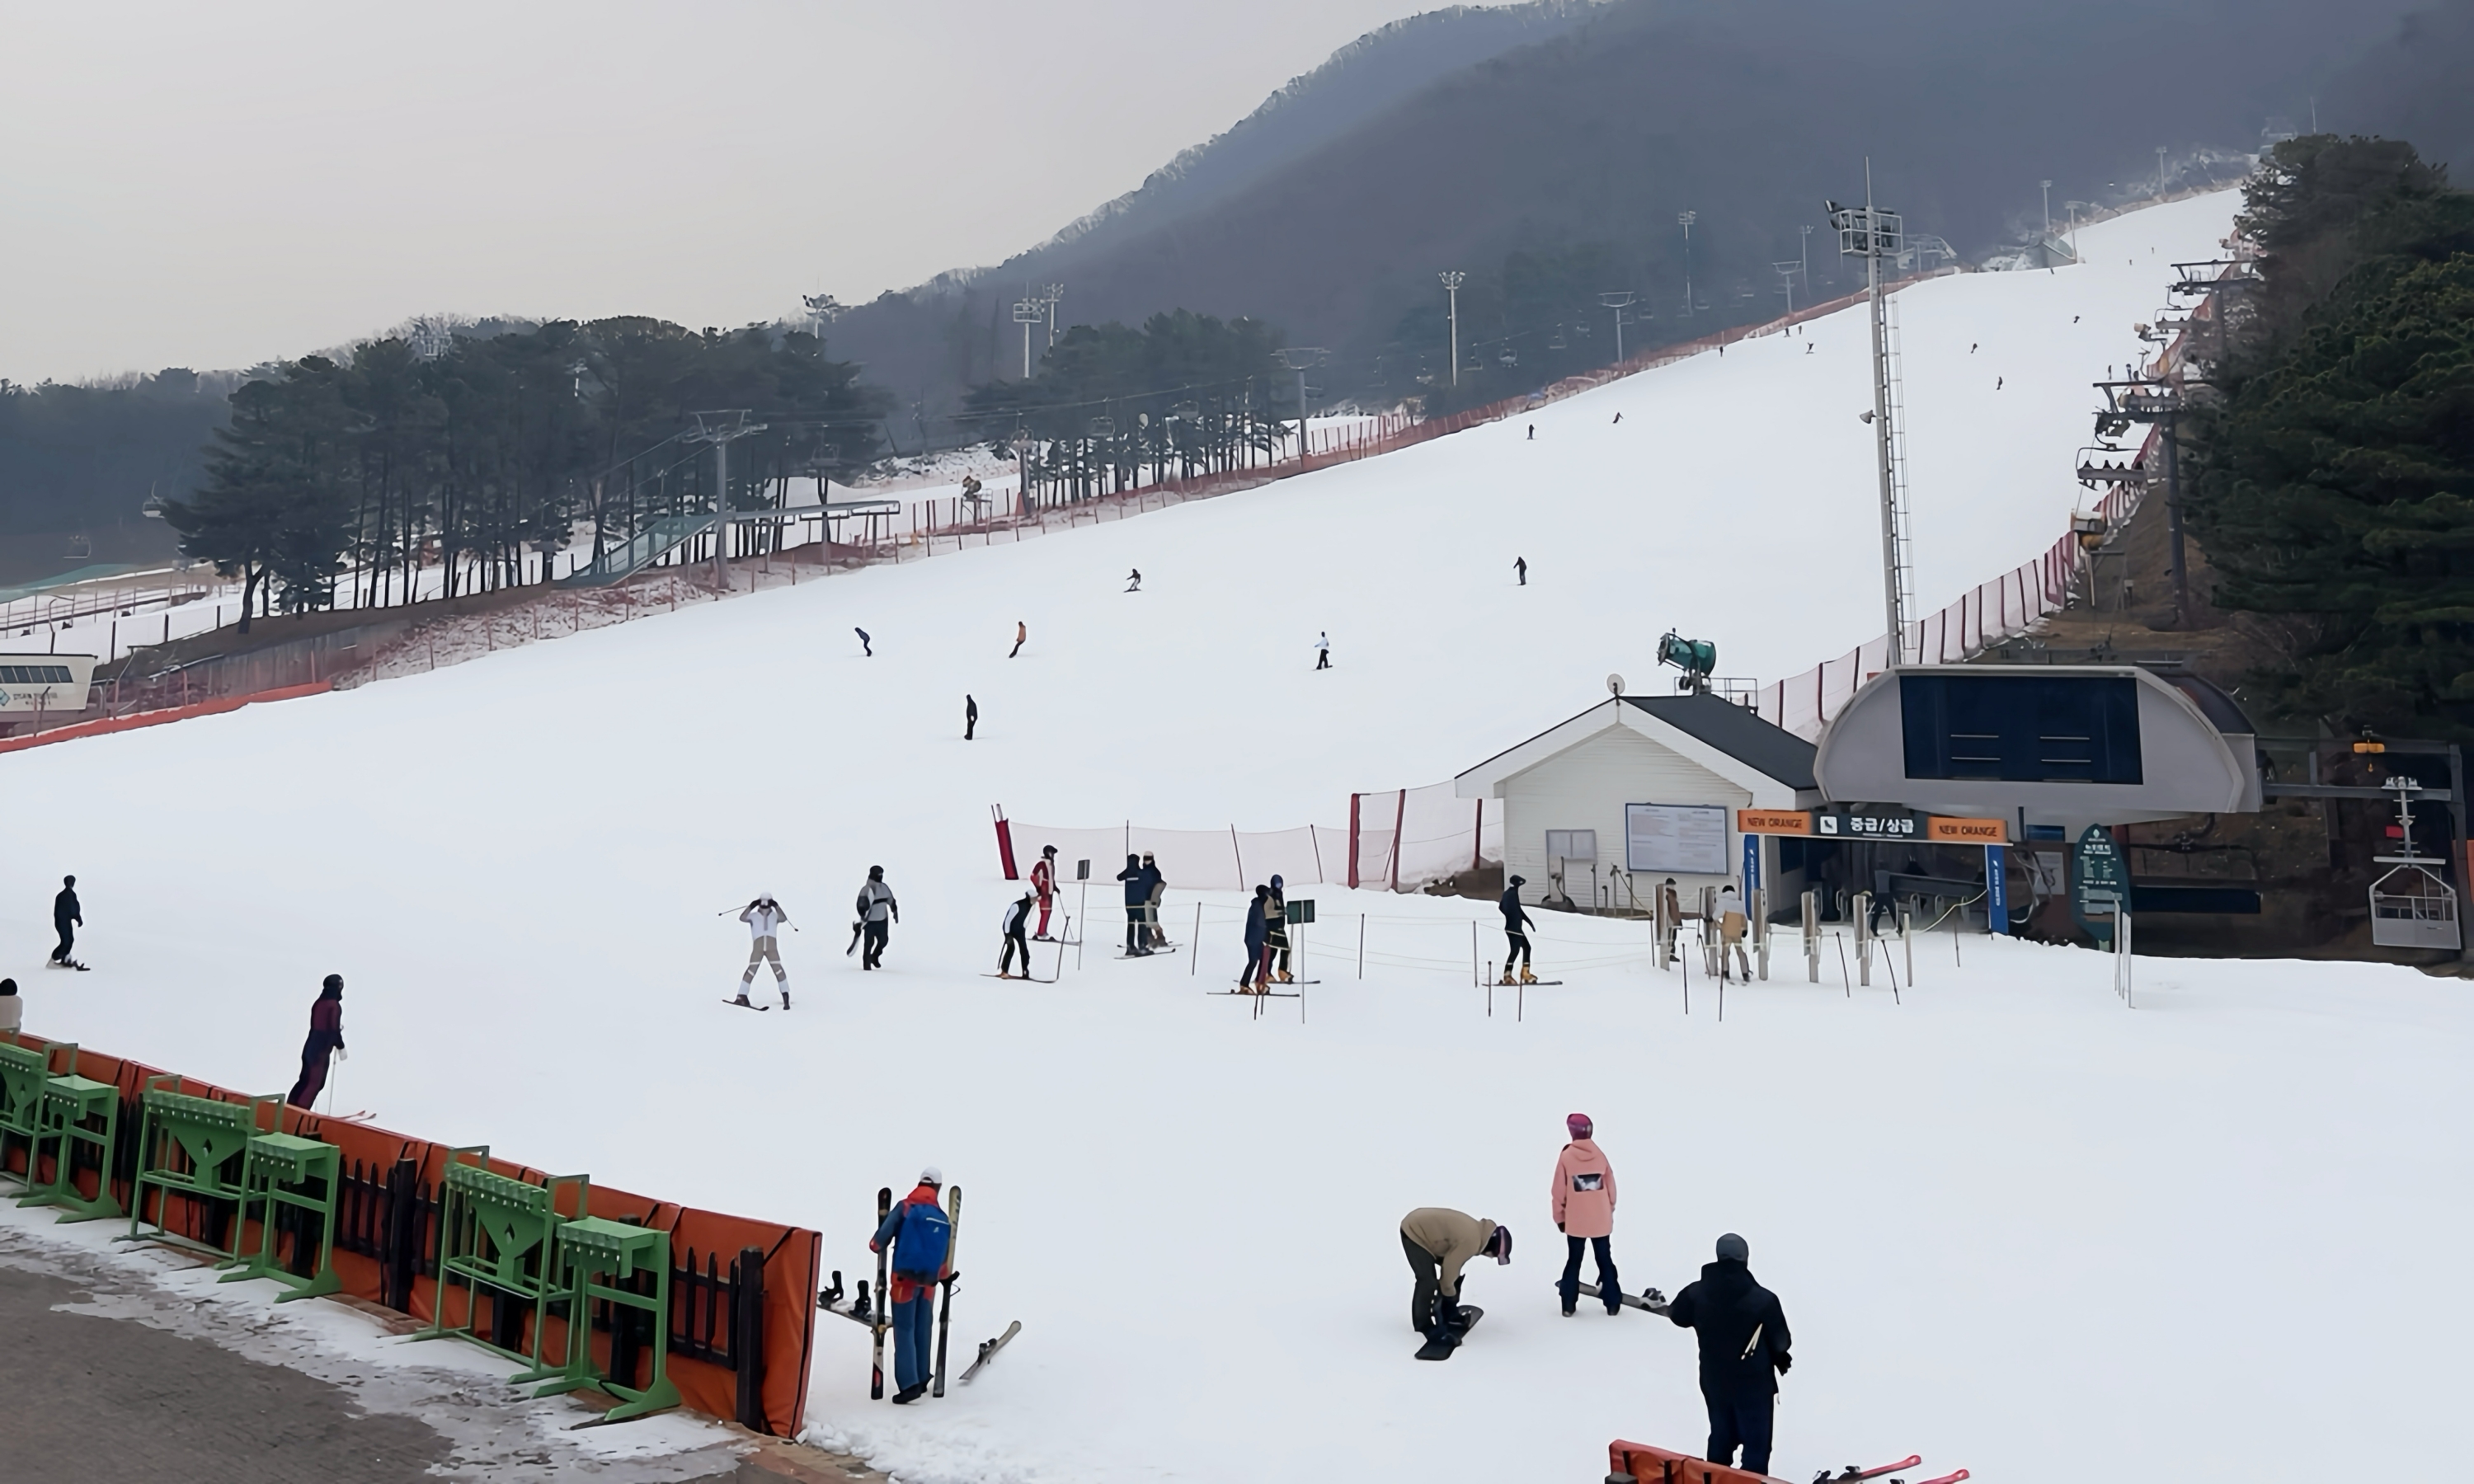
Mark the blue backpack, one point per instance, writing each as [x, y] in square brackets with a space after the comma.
[927, 1234]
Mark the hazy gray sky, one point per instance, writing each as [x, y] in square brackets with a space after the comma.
[216, 185]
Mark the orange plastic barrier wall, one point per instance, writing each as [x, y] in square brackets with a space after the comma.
[157, 718]
[1649, 1463]
[792, 1259]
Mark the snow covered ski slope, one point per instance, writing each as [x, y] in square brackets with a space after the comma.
[2017, 1226]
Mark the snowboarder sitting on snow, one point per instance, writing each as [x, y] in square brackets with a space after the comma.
[1440, 1242]
[922, 1237]
[763, 917]
[66, 919]
[1744, 1346]
[1585, 1212]
[1138, 899]
[876, 911]
[1017, 916]
[326, 1035]
[1516, 944]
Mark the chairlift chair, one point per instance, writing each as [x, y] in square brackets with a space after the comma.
[2410, 906]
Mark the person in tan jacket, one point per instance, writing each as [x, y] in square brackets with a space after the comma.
[1440, 1242]
[1732, 929]
[1585, 1212]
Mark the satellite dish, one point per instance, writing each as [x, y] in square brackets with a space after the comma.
[1615, 684]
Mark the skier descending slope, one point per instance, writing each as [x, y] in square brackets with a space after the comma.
[1516, 941]
[920, 1236]
[1440, 1242]
[877, 912]
[1743, 1351]
[764, 916]
[1585, 1212]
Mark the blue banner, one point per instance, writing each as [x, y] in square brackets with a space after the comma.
[1751, 869]
[1997, 892]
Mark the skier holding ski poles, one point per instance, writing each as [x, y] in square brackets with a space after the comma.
[1016, 916]
[763, 917]
[921, 1236]
[326, 1036]
[1744, 1346]
[1516, 941]
[1275, 933]
[1043, 884]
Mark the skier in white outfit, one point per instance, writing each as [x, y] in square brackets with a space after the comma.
[765, 918]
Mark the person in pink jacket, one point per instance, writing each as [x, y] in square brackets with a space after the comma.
[1585, 1212]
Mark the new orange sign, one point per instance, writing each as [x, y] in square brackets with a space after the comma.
[1944, 830]
[1773, 821]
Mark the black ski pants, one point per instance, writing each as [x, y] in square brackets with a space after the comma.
[1610, 1292]
[1740, 1420]
[1516, 946]
[1014, 944]
[68, 940]
[871, 953]
[1429, 1309]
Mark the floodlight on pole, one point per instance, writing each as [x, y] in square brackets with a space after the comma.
[1297, 358]
[1684, 220]
[1873, 236]
[721, 429]
[1049, 296]
[1028, 312]
[1618, 301]
[1452, 281]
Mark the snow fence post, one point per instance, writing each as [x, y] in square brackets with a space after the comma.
[747, 1337]
[400, 1255]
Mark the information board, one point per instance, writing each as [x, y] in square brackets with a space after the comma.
[1690, 838]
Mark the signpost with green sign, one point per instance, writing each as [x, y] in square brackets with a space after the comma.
[2100, 884]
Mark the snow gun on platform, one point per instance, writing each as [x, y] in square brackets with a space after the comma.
[1697, 658]
[1643, 1463]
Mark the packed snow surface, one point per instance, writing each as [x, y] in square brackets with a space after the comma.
[2017, 1226]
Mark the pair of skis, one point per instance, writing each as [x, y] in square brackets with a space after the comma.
[1912, 1460]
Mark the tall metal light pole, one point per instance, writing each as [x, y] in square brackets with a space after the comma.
[1049, 296]
[1805, 256]
[2160, 170]
[1617, 301]
[1452, 281]
[1027, 312]
[2046, 186]
[1297, 359]
[721, 429]
[1873, 234]
[1685, 220]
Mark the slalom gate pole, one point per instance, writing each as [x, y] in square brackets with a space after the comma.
[1361, 945]
[1194, 950]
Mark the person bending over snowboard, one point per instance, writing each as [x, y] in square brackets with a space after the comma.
[1440, 1242]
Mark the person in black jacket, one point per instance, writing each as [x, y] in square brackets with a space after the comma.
[1516, 942]
[1745, 1345]
[1138, 902]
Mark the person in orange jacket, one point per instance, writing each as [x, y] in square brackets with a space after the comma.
[1585, 1212]
[922, 1239]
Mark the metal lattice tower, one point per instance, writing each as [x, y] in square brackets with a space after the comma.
[1875, 235]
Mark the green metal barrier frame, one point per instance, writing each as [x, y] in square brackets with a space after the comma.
[211, 1134]
[596, 1244]
[489, 1225]
[68, 1101]
[274, 1171]
[23, 1074]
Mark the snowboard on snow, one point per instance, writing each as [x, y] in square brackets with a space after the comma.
[746, 1005]
[67, 963]
[1442, 1347]
[1649, 1299]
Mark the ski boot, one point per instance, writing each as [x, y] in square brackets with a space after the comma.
[744, 1000]
[1286, 978]
[1526, 977]
[1508, 979]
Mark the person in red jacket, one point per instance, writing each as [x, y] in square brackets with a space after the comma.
[1043, 881]
[1585, 1212]
[922, 1239]
[326, 1037]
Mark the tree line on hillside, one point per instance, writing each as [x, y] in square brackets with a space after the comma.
[485, 460]
[2334, 441]
[73, 456]
[1111, 407]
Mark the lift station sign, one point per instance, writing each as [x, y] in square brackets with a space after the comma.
[1867, 821]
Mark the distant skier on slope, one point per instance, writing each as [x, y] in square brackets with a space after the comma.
[1276, 932]
[1138, 896]
[1021, 637]
[1520, 569]
[1516, 944]
[876, 911]
[1043, 885]
[970, 717]
[1734, 927]
[1585, 1212]
[1249, 979]
[1744, 1344]
[866, 648]
[1152, 911]
[1134, 579]
[922, 1237]
[325, 1038]
[1440, 1242]
[67, 916]
[765, 918]
[1323, 650]
[1014, 923]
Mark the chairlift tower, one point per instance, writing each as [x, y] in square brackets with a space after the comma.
[1049, 296]
[1874, 234]
[1684, 220]
[1786, 282]
[2158, 401]
[1299, 359]
[1618, 301]
[721, 429]
[1028, 312]
[1452, 281]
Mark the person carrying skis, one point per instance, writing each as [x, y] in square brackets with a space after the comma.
[326, 1035]
[1152, 911]
[1249, 979]
[877, 912]
[1732, 929]
[66, 919]
[1043, 885]
[922, 1239]
[1440, 1242]
[1585, 1212]
[1516, 944]
[763, 918]
[1275, 933]
[1323, 650]
[1016, 919]
[1138, 896]
[1745, 1345]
